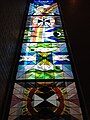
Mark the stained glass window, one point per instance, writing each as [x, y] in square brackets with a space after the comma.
[45, 86]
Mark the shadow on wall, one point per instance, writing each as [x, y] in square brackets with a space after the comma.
[11, 15]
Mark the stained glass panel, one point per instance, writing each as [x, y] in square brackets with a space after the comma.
[44, 61]
[41, 8]
[43, 1]
[45, 34]
[43, 21]
[44, 101]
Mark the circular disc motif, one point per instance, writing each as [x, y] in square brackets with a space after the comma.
[44, 101]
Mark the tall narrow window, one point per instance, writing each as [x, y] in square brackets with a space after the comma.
[45, 87]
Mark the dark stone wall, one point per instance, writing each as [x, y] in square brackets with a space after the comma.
[76, 14]
[11, 17]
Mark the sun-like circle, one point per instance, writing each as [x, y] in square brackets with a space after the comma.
[45, 99]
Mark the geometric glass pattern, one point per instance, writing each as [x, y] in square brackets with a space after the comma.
[39, 8]
[46, 34]
[45, 102]
[45, 87]
[44, 61]
[44, 53]
[43, 21]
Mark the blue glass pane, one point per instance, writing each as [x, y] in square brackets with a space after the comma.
[43, 1]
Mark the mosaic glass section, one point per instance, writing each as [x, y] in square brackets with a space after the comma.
[43, 1]
[44, 53]
[40, 8]
[44, 61]
[45, 34]
[41, 101]
[43, 21]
